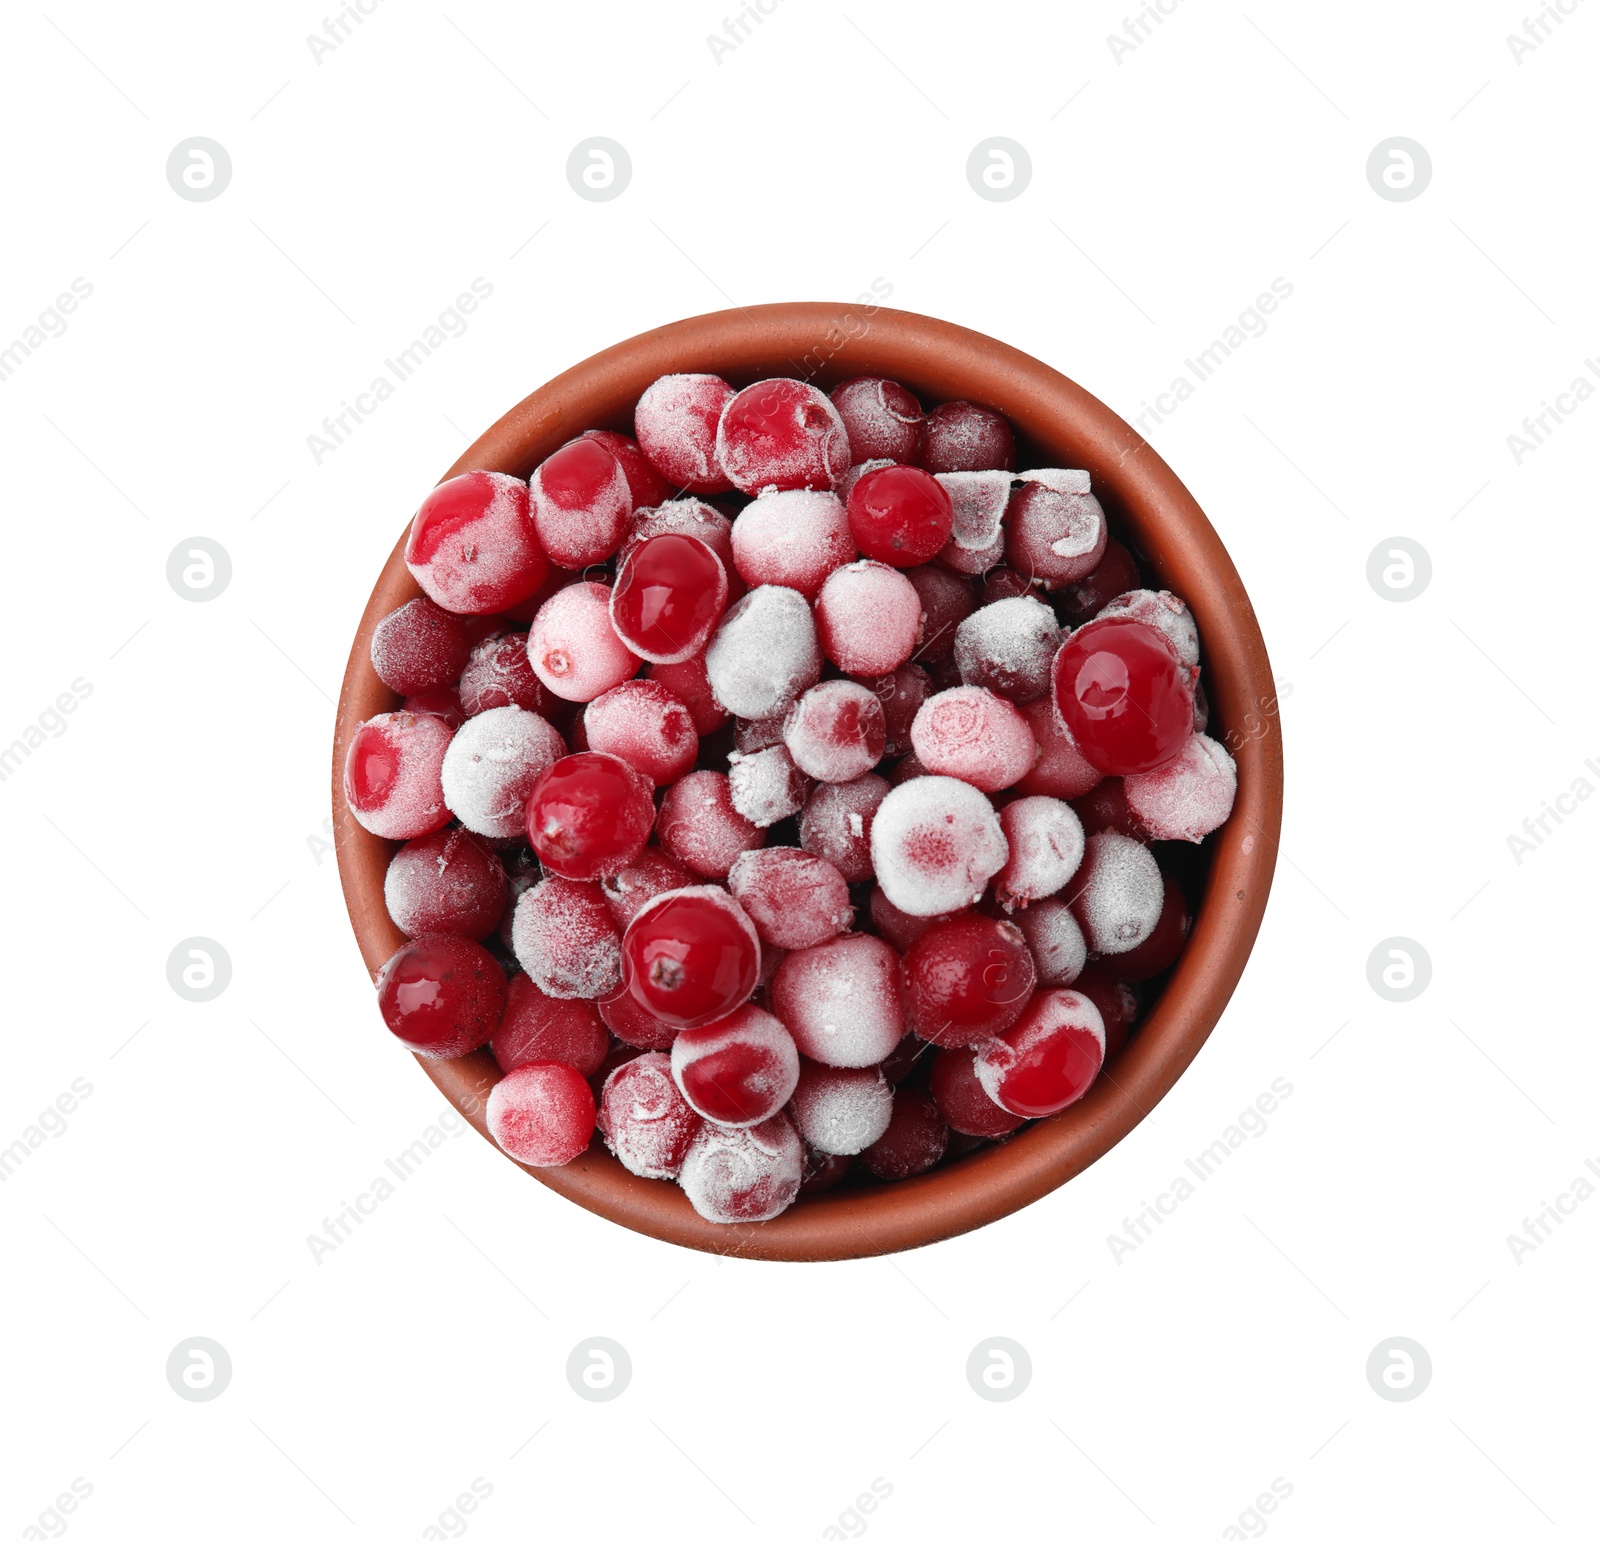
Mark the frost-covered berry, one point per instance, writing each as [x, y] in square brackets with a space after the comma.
[445, 882]
[1055, 527]
[699, 827]
[652, 872]
[443, 704]
[764, 653]
[691, 684]
[441, 995]
[961, 1100]
[1061, 769]
[962, 436]
[978, 502]
[675, 423]
[783, 434]
[765, 785]
[974, 735]
[642, 722]
[589, 816]
[565, 938]
[643, 1118]
[1117, 894]
[1189, 796]
[936, 842]
[1046, 841]
[498, 674]
[646, 485]
[901, 695]
[946, 602]
[537, 1026]
[686, 516]
[966, 979]
[472, 545]
[1166, 613]
[491, 766]
[634, 1024]
[794, 539]
[1007, 647]
[670, 593]
[914, 1141]
[734, 1175]
[1124, 696]
[1055, 939]
[835, 731]
[794, 899]
[1048, 1059]
[868, 618]
[738, 1070]
[1114, 574]
[977, 561]
[882, 419]
[841, 1112]
[836, 824]
[1160, 950]
[841, 1000]
[691, 956]
[419, 647]
[542, 1114]
[573, 647]
[580, 501]
[899, 515]
[1105, 806]
[392, 774]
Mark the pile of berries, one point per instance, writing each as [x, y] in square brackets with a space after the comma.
[781, 788]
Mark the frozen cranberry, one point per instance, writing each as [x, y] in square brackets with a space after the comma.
[841, 1000]
[1166, 613]
[835, 731]
[581, 502]
[1061, 770]
[882, 419]
[900, 515]
[1055, 939]
[669, 596]
[1116, 1002]
[675, 423]
[792, 538]
[961, 1100]
[734, 1175]
[868, 618]
[642, 722]
[650, 873]
[573, 647]
[782, 434]
[1114, 574]
[491, 766]
[646, 486]
[634, 1025]
[962, 436]
[841, 488]
[901, 695]
[1189, 796]
[691, 956]
[589, 816]
[1158, 951]
[564, 936]
[694, 518]
[841, 1112]
[1046, 842]
[764, 653]
[699, 827]
[1055, 529]
[443, 704]
[1048, 1059]
[646, 1123]
[498, 674]
[691, 684]
[977, 508]
[1117, 894]
[914, 1141]
[966, 979]
[823, 1171]
[391, 774]
[936, 842]
[973, 562]
[1121, 692]
[766, 785]
[472, 546]
[537, 1026]
[976, 736]
[836, 824]
[794, 899]
[442, 995]
[1007, 647]
[892, 923]
[1005, 583]
[419, 647]
[1105, 806]
[946, 602]
[445, 882]
[738, 1070]
[542, 1114]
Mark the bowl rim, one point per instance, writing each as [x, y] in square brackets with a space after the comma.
[825, 343]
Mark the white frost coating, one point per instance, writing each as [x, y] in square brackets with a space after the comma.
[978, 501]
[792, 538]
[1008, 647]
[767, 785]
[841, 1000]
[1118, 893]
[644, 1119]
[764, 653]
[1053, 1013]
[1189, 796]
[1055, 939]
[841, 1112]
[1072, 483]
[835, 731]
[1046, 840]
[675, 423]
[769, 1063]
[491, 766]
[836, 820]
[731, 1175]
[1163, 610]
[562, 933]
[936, 842]
[974, 563]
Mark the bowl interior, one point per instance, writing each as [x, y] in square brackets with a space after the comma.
[1150, 511]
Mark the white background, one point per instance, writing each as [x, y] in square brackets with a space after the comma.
[188, 793]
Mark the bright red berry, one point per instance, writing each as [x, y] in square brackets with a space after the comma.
[472, 545]
[1048, 1058]
[589, 816]
[900, 515]
[442, 995]
[966, 979]
[1123, 695]
[542, 1114]
[668, 599]
[691, 956]
[736, 1071]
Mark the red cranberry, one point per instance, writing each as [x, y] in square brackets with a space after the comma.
[644, 1119]
[691, 956]
[913, 1142]
[633, 1025]
[1055, 527]
[900, 515]
[1123, 696]
[419, 647]
[966, 979]
[1105, 806]
[738, 1070]
[442, 996]
[734, 1175]
[589, 816]
[1116, 1002]
[1116, 894]
[946, 603]
[669, 597]
[782, 434]
[699, 826]
[689, 682]
[642, 722]
[840, 1000]
[542, 1114]
[443, 704]
[1158, 951]
[574, 648]
[1048, 1058]
[834, 732]
[646, 485]
[472, 545]
[868, 618]
[1116, 574]
[498, 674]
[840, 1112]
[676, 425]
[882, 418]
[792, 538]
[1061, 770]
[652, 872]
[537, 1026]
[961, 1099]
[581, 502]
[564, 936]
[823, 1172]
[836, 824]
[793, 899]
[962, 436]
[901, 694]
[975, 736]
[897, 928]
[447, 881]
[392, 774]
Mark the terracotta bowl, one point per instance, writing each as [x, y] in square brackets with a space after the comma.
[1058, 424]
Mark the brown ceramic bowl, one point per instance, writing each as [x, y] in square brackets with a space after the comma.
[1058, 424]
